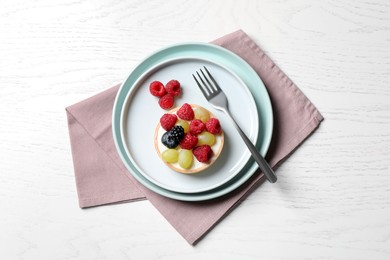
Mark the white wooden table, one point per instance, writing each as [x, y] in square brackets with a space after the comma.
[332, 199]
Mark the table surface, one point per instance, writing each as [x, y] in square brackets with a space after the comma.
[332, 199]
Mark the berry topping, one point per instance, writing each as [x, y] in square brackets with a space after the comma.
[173, 87]
[189, 141]
[202, 153]
[168, 121]
[213, 126]
[172, 138]
[196, 127]
[157, 89]
[177, 132]
[168, 141]
[166, 101]
[185, 112]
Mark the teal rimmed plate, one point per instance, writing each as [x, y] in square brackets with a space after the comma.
[135, 111]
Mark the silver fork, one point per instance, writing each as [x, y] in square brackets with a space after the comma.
[217, 98]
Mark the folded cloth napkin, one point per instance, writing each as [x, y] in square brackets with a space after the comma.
[102, 178]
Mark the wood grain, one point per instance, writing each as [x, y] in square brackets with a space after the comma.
[332, 199]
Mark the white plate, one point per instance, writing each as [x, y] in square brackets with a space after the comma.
[141, 113]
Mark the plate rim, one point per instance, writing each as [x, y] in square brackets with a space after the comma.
[250, 168]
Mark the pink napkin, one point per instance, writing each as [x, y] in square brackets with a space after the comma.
[101, 177]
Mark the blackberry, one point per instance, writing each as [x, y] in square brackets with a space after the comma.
[172, 138]
[177, 132]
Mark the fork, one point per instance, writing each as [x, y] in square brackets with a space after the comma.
[217, 98]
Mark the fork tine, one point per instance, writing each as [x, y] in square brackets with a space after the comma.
[200, 86]
[206, 87]
[212, 79]
[210, 85]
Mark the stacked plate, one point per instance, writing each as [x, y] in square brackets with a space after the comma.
[136, 113]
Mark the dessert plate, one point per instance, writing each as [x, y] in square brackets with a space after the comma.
[141, 113]
[191, 56]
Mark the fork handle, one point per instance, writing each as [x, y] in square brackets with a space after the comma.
[264, 166]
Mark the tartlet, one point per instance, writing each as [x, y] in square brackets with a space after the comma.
[196, 166]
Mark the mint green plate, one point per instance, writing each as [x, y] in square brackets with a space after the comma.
[132, 96]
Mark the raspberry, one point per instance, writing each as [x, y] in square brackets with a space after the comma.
[213, 126]
[203, 153]
[166, 101]
[189, 141]
[185, 112]
[196, 126]
[168, 121]
[157, 89]
[173, 87]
